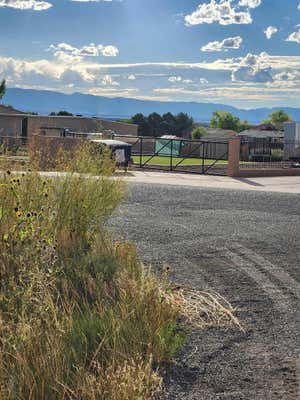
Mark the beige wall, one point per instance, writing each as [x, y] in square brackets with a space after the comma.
[121, 128]
[35, 124]
[11, 125]
[79, 125]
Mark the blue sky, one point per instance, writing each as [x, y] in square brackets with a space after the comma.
[240, 52]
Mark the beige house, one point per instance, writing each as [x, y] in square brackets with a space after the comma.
[16, 124]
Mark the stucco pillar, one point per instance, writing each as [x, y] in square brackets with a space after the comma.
[234, 146]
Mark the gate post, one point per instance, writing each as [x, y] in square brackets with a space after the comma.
[234, 146]
[203, 155]
[141, 152]
[171, 159]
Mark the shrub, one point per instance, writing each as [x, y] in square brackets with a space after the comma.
[199, 132]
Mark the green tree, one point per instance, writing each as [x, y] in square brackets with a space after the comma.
[157, 125]
[277, 118]
[2, 88]
[62, 114]
[184, 124]
[199, 132]
[169, 123]
[142, 122]
[155, 122]
[243, 126]
[226, 120]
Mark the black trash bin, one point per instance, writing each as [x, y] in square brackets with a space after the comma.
[120, 151]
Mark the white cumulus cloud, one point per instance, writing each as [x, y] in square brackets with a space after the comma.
[107, 80]
[66, 52]
[294, 37]
[219, 11]
[226, 44]
[93, 1]
[108, 51]
[39, 5]
[203, 81]
[270, 31]
[174, 79]
[253, 68]
[250, 3]
[187, 81]
[34, 5]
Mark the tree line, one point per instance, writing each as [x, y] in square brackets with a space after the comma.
[167, 124]
[226, 120]
[183, 125]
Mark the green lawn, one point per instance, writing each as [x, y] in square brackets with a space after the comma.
[165, 160]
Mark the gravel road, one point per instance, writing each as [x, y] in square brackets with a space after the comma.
[244, 245]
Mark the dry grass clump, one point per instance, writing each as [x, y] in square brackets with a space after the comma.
[69, 155]
[13, 153]
[202, 309]
[80, 317]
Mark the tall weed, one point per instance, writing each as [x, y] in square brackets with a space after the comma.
[79, 317]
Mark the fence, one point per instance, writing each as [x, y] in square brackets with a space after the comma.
[13, 144]
[232, 158]
[13, 152]
[166, 154]
[269, 154]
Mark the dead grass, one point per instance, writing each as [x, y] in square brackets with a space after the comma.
[80, 316]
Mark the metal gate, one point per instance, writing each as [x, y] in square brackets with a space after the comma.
[178, 155]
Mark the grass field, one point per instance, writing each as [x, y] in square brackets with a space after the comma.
[165, 160]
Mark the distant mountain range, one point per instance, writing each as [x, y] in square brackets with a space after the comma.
[45, 101]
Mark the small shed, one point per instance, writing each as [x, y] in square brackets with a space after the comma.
[168, 145]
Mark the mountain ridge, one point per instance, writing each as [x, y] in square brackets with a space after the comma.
[46, 101]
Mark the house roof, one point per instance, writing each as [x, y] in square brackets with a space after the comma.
[111, 142]
[255, 133]
[170, 137]
[215, 133]
[9, 110]
[265, 127]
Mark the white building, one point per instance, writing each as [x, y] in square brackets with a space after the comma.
[292, 140]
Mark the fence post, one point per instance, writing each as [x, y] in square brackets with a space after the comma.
[171, 159]
[234, 146]
[203, 155]
[141, 152]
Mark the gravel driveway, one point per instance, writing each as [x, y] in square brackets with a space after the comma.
[246, 246]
